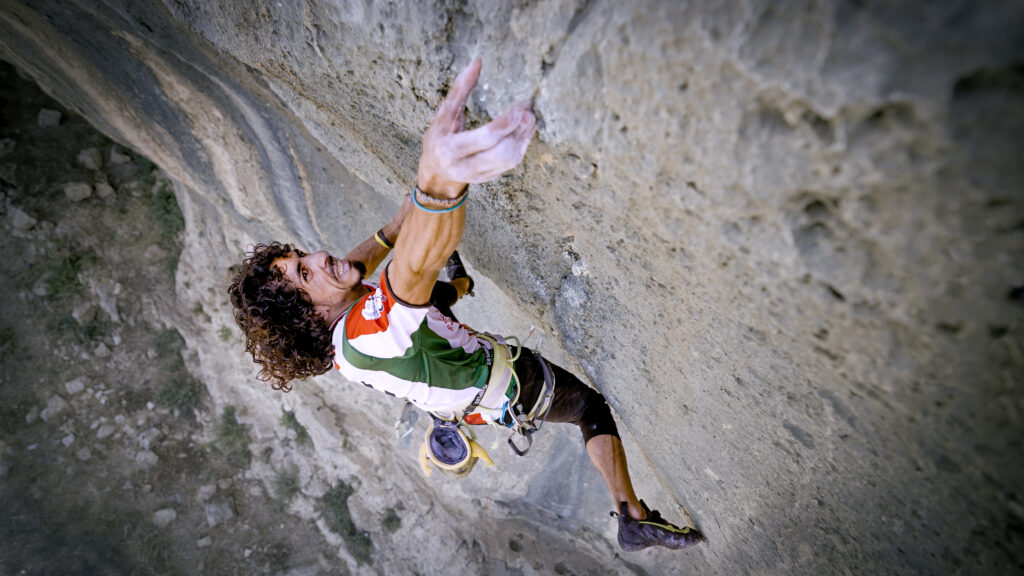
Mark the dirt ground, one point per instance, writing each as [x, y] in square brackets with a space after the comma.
[110, 461]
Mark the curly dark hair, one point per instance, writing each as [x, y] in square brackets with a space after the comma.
[285, 336]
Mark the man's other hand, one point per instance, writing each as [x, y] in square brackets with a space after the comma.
[453, 158]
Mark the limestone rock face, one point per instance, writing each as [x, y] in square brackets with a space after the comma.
[781, 238]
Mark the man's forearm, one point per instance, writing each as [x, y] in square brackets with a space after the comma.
[451, 159]
[371, 252]
[423, 247]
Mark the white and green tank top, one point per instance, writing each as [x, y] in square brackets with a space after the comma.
[412, 352]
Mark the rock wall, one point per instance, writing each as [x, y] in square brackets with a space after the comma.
[781, 238]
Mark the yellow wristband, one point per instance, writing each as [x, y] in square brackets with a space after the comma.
[383, 240]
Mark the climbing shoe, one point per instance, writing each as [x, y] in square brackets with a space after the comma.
[455, 270]
[653, 531]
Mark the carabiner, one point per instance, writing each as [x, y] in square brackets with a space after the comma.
[528, 434]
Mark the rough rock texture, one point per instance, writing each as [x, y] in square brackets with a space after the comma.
[781, 238]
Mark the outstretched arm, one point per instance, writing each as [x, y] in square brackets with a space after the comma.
[451, 159]
[371, 252]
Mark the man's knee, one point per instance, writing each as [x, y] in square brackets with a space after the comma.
[597, 417]
[592, 413]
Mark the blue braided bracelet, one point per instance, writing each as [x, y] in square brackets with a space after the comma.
[455, 202]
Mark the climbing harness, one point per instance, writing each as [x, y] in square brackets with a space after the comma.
[529, 422]
[513, 415]
[450, 445]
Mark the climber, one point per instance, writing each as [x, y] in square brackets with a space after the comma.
[302, 313]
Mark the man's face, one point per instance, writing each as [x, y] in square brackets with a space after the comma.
[330, 283]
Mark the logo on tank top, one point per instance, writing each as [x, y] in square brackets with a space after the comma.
[374, 306]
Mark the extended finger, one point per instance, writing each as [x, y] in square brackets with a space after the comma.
[450, 112]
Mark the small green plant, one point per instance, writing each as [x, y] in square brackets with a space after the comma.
[62, 273]
[391, 521]
[7, 341]
[168, 343]
[199, 311]
[289, 420]
[149, 173]
[233, 439]
[181, 392]
[333, 506]
[224, 333]
[177, 388]
[164, 208]
[83, 333]
[286, 486]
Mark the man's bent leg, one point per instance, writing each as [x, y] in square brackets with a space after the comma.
[461, 285]
[639, 527]
[457, 275]
[576, 403]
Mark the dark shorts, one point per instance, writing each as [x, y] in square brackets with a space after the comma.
[574, 402]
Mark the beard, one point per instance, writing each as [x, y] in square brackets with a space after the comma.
[361, 268]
